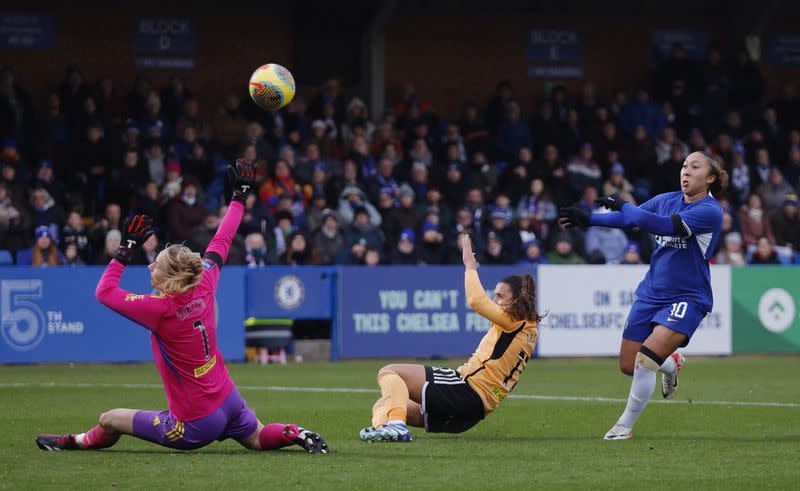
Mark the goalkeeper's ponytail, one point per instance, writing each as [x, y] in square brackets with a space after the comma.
[523, 292]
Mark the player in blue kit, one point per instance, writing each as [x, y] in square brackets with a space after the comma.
[675, 295]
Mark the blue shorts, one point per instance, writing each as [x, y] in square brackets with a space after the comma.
[682, 317]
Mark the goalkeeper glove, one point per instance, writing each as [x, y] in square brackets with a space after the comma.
[135, 232]
[243, 179]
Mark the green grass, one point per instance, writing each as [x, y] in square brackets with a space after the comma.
[525, 444]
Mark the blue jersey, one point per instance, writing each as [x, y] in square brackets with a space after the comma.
[679, 267]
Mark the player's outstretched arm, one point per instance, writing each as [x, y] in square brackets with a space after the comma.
[143, 309]
[243, 178]
[476, 295]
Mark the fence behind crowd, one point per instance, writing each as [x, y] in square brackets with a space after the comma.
[51, 315]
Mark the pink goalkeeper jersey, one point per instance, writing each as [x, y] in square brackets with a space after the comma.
[183, 328]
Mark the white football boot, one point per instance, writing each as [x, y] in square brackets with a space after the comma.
[669, 383]
[619, 432]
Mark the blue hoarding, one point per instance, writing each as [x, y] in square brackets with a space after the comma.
[26, 30]
[51, 315]
[410, 311]
[290, 292]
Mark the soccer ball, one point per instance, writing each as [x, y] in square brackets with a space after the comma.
[271, 86]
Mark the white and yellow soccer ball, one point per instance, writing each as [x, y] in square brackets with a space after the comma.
[272, 86]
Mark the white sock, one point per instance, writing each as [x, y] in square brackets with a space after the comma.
[396, 422]
[669, 367]
[642, 387]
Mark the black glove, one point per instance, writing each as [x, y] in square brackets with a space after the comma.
[573, 217]
[243, 179]
[612, 202]
[135, 232]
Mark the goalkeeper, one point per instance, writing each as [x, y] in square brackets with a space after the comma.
[204, 404]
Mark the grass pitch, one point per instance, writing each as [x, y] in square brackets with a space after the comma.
[717, 434]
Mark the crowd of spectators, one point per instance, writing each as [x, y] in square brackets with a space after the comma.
[341, 185]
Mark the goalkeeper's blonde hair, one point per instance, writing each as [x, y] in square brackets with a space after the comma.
[179, 269]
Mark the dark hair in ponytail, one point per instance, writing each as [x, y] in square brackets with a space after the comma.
[719, 171]
[523, 293]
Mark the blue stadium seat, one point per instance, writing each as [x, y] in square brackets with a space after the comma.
[5, 258]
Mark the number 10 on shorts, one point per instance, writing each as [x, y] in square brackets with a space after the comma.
[679, 310]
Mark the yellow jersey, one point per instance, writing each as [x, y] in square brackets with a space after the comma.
[503, 353]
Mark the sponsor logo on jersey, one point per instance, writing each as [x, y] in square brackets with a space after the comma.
[671, 241]
[200, 371]
[132, 297]
[208, 264]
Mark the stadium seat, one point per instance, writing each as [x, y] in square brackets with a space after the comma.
[5, 258]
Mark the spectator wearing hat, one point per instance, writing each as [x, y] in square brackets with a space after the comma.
[405, 216]
[328, 240]
[732, 251]
[352, 198]
[786, 224]
[172, 180]
[44, 251]
[406, 251]
[433, 249]
[532, 253]
[632, 254]
[584, 171]
[617, 184]
[563, 252]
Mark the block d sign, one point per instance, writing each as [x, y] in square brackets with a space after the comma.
[164, 34]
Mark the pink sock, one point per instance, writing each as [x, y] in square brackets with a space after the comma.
[99, 437]
[277, 435]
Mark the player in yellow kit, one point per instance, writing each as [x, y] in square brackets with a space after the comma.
[443, 400]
